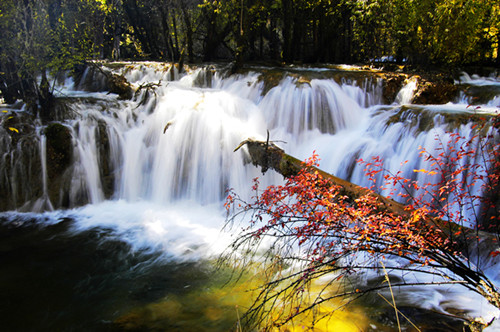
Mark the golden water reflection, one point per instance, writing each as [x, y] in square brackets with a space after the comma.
[220, 306]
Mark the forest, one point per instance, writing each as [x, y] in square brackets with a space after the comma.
[41, 37]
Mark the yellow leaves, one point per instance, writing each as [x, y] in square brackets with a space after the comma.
[8, 118]
[103, 6]
[422, 170]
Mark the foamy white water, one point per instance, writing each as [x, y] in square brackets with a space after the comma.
[171, 156]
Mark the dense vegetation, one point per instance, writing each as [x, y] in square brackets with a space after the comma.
[42, 36]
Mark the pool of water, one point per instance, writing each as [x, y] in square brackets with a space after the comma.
[55, 279]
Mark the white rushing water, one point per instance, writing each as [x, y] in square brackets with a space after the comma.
[171, 155]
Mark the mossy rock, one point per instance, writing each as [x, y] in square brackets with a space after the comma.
[421, 119]
[105, 167]
[435, 93]
[18, 125]
[270, 79]
[118, 84]
[59, 149]
[480, 95]
[392, 86]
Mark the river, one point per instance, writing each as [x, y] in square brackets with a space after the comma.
[128, 241]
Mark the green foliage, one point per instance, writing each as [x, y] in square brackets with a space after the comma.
[452, 32]
[49, 36]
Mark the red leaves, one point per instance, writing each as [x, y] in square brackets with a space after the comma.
[308, 208]
[329, 226]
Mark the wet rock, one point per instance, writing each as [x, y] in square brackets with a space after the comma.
[96, 79]
[270, 79]
[392, 85]
[59, 160]
[18, 125]
[435, 92]
[426, 320]
[59, 149]
[478, 95]
[105, 166]
[20, 158]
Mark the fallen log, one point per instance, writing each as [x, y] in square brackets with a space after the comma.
[268, 156]
[116, 83]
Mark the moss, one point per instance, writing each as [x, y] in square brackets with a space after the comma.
[59, 149]
[435, 93]
[392, 85]
[424, 120]
[301, 80]
[118, 84]
[271, 79]
[105, 168]
[115, 65]
[289, 165]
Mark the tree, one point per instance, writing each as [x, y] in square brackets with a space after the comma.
[42, 38]
[25, 51]
[314, 229]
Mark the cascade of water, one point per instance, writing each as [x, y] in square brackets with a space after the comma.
[180, 150]
[43, 203]
[177, 143]
[316, 105]
[480, 91]
[349, 131]
[149, 72]
[86, 176]
[405, 95]
[155, 169]
[366, 94]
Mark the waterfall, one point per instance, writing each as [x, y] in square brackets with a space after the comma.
[153, 171]
[43, 203]
[175, 142]
[405, 95]
[179, 148]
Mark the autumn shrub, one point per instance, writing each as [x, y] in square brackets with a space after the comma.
[314, 231]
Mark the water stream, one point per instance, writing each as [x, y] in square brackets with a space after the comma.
[143, 196]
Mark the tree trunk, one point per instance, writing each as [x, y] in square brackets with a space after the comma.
[166, 35]
[189, 33]
[45, 98]
[498, 48]
[177, 47]
[287, 30]
[267, 155]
